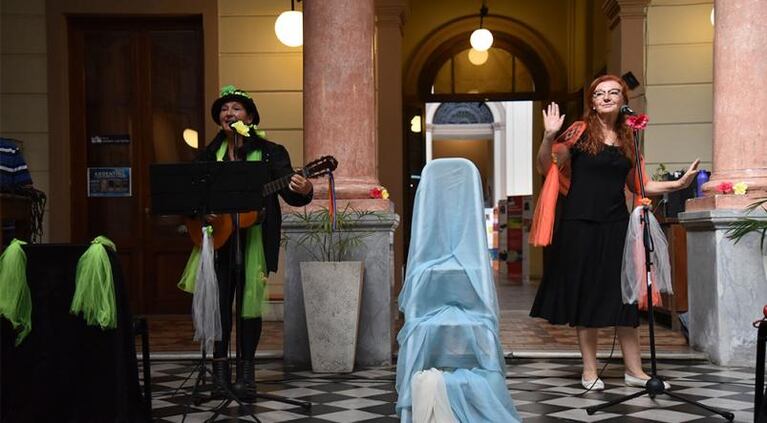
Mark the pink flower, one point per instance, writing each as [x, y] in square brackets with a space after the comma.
[724, 187]
[637, 121]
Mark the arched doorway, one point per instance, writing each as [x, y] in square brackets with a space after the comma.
[521, 67]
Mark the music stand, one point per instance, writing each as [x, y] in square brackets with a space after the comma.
[201, 188]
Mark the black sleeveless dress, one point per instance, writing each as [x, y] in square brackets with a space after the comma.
[581, 283]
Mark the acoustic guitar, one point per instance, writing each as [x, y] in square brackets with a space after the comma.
[222, 223]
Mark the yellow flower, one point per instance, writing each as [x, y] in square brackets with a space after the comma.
[241, 128]
[740, 188]
[384, 194]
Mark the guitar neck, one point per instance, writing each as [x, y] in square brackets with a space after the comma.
[277, 184]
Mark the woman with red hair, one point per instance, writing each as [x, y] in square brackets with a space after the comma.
[581, 283]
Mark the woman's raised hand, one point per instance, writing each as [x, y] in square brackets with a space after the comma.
[552, 121]
[689, 176]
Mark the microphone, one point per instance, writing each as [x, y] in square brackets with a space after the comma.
[238, 153]
[626, 110]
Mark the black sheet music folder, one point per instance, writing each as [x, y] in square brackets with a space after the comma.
[206, 187]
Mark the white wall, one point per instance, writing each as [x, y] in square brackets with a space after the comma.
[253, 59]
[679, 86]
[24, 86]
[519, 147]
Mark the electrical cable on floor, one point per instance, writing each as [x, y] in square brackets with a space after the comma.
[607, 362]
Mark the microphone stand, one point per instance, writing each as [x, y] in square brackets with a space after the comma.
[654, 385]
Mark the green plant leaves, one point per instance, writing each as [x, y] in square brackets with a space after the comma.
[321, 241]
[743, 226]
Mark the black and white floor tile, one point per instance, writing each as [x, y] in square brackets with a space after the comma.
[543, 391]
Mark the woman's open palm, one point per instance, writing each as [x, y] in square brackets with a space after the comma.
[552, 120]
[689, 175]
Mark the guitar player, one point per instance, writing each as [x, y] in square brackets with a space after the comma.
[259, 242]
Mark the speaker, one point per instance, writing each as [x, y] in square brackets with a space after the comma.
[630, 79]
[675, 200]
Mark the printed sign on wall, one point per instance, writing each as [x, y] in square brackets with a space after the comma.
[109, 182]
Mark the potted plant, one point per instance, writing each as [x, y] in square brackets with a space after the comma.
[332, 283]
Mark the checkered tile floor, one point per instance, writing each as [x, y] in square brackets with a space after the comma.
[543, 391]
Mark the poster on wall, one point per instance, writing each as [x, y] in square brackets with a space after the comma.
[109, 182]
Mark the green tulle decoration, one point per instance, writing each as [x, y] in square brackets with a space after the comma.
[189, 277]
[15, 299]
[94, 288]
[254, 296]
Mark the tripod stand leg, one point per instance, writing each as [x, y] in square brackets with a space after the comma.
[594, 409]
[193, 396]
[306, 405]
[726, 414]
[231, 396]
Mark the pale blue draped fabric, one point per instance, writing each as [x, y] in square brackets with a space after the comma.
[449, 300]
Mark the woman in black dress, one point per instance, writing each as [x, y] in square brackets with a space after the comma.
[581, 284]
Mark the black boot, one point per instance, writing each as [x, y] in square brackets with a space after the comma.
[246, 378]
[222, 377]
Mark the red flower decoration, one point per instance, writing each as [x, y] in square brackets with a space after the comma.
[637, 122]
[376, 192]
[724, 187]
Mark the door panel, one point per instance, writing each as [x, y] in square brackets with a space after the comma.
[176, 104]
[137, 83]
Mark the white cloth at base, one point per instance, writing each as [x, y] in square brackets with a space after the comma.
[430, 402]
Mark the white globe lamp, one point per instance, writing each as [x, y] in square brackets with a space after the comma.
[289, 28]
[481, 39]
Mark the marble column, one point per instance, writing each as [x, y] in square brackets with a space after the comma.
[339, 92]
[340, 119]
[627, 20]
[728, 286]
[740, 148]
[390, 18]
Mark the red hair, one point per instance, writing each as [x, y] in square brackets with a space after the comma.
[594, 143]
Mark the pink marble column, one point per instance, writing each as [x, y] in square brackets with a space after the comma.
[339, 94]
[740, 127]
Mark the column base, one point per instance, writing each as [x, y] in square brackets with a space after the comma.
[721, 201]
[727, 286]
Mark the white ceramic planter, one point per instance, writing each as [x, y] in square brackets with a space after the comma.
[332, 297]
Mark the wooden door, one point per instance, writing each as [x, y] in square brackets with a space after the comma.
[135, 85]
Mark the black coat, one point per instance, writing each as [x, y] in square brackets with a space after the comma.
[278, 165]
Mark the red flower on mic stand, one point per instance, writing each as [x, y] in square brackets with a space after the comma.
[637, 122]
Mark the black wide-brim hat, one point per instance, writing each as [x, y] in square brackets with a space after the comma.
[230, 93]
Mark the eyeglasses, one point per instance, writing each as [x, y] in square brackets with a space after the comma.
[612, 93]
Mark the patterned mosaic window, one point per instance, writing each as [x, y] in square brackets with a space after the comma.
[463, 113]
